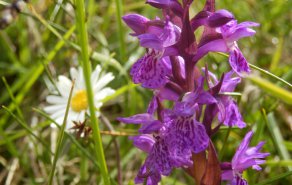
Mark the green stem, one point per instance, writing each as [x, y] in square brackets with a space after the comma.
[270, 74]
[119, 10]
[60, 138]
[83, 42]
[222, 151]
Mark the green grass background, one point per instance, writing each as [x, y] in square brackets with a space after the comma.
[41, 43]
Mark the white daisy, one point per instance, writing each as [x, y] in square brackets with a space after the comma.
[79, 104]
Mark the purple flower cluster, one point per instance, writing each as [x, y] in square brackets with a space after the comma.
[171, 135]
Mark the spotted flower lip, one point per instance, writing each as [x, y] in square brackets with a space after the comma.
[244, 158]
[152, 70]
[159, 161]
[79, 107]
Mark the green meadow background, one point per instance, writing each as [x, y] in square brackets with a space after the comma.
[41, 43]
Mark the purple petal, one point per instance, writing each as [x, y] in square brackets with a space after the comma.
[187, 135]
[206, 98]
[217, 45]
[143, 142]
[170, 51]
[136, 22]
[150, 41]
[159, 159]
[151, 127]
[200, 98]
[238, 63]
[166, 93]
[228, 28]
[221, 111]
[241, 33]
[229, 83]
[170, 34]
[219, 18]
[233, 116]
[138, 119]
[152, 178]
[201, 139]
[150, 71]
[174, 5]
[242, 147]
[227, 175]
[185, 108]
[238, 181]
[248, 24]
[200, 19]
[152, 107]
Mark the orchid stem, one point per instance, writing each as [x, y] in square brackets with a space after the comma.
[83, 42]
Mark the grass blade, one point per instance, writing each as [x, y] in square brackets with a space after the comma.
[36, 73]
[276, 178]
[83, 42]
[60, 137]
[272, 89]
[262, 71]
[119, 10]
[28, 129]
[277, 136]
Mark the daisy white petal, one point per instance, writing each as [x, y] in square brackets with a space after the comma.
[79, 103]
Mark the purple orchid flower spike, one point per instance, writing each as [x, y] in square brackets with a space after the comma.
[244, 158]
[226, 42]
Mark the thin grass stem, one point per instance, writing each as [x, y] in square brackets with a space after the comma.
[263, 71]
[83, 42]
[60, 138]
[119, 10]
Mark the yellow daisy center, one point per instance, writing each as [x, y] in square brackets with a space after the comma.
[79, 101]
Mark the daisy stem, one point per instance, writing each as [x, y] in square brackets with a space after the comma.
[83, 42]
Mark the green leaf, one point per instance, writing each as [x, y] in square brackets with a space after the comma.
[276, 178]
[272, 89]
[277, 136]
[60, 138]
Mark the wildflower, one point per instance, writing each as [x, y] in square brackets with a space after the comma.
[157, 36]
[173, 136]
[159, 160]
[228, 110]
[244, 158]
[224, 40]
[186, 134]
[79, 103]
